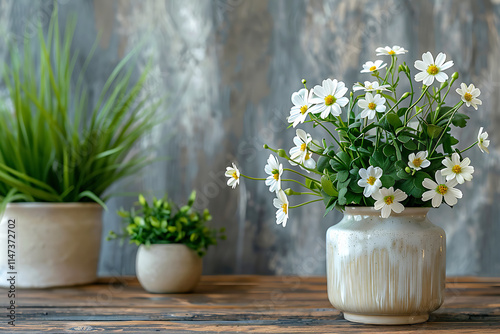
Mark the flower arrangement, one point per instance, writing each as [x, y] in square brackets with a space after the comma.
[162, 222]
[391, 150]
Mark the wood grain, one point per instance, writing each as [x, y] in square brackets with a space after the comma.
[230, 304]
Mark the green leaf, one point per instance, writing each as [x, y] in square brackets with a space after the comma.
[394, 120]
[389, 151]
[323, 163]
[410, 145]
[342, 196]
[460, 120]
[387, 181]
[434, 131]
[401, 112]
[327, 186]
[192, 198]
[419, 178]
[342, 175]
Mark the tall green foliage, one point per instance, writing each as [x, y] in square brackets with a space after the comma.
[55, 146]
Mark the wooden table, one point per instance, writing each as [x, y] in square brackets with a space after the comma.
[235, 304]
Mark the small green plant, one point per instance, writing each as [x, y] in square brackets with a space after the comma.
[164, 223]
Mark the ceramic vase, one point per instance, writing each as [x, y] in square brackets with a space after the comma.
[168, 268]
[386, 270]
[55, 244]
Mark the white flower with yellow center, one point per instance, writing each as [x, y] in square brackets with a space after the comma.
[432, 69]
[419, 160]
[300, 154]
[482, 141]
[371, 66]
[234, 176]
[301, 105]
[440, 189]
[275, 170]
[329, 98]
[469, 95]
[388, 51]
[388, 200]
[370, 180]
[456, 169]
[281, 203]
[371, 104]
[370, 86]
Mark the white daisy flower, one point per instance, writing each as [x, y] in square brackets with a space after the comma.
[300, 154]
[329, 98]
[388, 200]
[482, 141]
[469, 95]
[370, 86]
[371, 66]
[234, 176]
[281, 203]
[461, 171]
[439, 189]
[419, 160]
[432, 69]
[370, 180]
[275, 170]
[388, 51]
[371, 104]
[301, 105]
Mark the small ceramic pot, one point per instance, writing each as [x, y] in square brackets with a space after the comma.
[168, 268]
[386, 271]
[56, 244]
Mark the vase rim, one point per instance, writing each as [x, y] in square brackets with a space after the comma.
[55, 205]
[370, 211]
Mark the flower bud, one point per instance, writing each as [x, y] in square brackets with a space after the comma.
[265, 146]
[408, 170]
[282, 153]
[289, 192]
[454, 76]
[304, 81]
[401, 68]
[443, 85]
[405, 95]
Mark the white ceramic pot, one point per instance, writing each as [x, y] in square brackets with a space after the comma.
[386, 271]
[168, 268]
[56, 244]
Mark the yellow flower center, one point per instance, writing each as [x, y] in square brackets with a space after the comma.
[303, 147]
[303, 110]
[285, 208]
[371, 180]
[468, 97]
[329, 100]
[417, 162]
[276, 174]
[369, 87]
[442, 189]
[308, 156]
[432, 69]
[235, 176]
[457, 169]
[372, 106]
[389, 199]
[392, 52]
[373, 68]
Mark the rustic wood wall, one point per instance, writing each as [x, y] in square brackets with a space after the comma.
[228, 68]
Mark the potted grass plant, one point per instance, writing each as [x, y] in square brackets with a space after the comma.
[171, 242]
[60, 153]
[389, 155]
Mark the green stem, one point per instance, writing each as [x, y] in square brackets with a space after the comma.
[302, 204]
[253, 178]
[292, 180]
[307, 177]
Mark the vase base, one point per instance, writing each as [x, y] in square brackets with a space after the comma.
[386, 319]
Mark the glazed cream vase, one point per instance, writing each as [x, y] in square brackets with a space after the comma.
[56, 244]
[168, 268]
[386, 271]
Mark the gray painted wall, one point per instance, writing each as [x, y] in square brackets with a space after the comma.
[228, 68]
